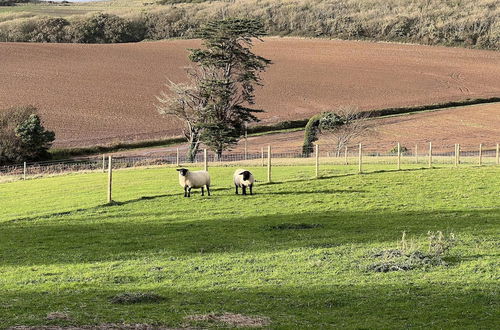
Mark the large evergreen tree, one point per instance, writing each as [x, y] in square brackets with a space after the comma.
[230, 73]
[215, 104]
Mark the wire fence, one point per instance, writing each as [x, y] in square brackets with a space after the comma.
[320, 154]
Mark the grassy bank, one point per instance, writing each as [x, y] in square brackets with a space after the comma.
[297, 254]
[454, 23]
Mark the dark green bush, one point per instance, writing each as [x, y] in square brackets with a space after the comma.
[311, 134]
[22, 136]
[326, 120]
[5, 3]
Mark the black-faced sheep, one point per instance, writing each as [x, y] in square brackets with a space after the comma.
[197, 179]
[243, 179]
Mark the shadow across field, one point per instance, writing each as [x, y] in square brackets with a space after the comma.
[131, 234]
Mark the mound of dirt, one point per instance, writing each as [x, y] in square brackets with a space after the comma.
[234, 320]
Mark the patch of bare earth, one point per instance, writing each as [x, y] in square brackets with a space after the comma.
[57, 316]
[103, 94]
[229, 319]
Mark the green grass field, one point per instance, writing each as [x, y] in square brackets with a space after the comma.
[72, 9]
[296, 252]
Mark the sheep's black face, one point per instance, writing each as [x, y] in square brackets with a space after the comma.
[246, 175]
[183, 171]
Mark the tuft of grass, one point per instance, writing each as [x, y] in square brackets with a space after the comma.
[410, 255]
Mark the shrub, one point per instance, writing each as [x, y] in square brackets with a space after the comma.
[5, 3]
[311, 134]
[404, 150]
[49, 30]
[105, 28]
[22, 136]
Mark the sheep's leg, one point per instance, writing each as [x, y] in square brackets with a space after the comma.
[208, 190]
[202, 191]
[236, 189]
[251, 193]
[244, 188]
[189, 192]
[185, 191]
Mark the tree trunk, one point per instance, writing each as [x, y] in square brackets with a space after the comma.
[218, 152]
[194, 144]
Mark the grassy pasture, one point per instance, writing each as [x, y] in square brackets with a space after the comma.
[296, 252]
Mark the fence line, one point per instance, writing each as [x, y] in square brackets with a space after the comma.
[286, 156]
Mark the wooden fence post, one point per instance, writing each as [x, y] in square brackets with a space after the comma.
[456, 155]
[262, 155]
[269, 163]
[246, 142]
[399, 156]
[24, 171]
[480, 154]
[103, 163]
[498, 154]
[345, 156]
[416, 153]
[110, 179]
[317, 161]
[360, 158]
[205, 160]
[177, 158]
[430, 154]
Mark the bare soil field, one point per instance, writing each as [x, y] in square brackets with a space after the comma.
[101, 94]
[469, 126]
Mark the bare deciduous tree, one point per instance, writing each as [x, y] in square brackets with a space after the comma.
[185, 102]
[354, 124]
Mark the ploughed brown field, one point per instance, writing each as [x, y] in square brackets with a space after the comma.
[101, 94]
[469, 126]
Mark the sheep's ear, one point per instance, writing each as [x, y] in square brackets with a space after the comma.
[241, 173]
[179, 169]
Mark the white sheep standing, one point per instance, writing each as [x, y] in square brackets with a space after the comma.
[243, 179]
[196, 179]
